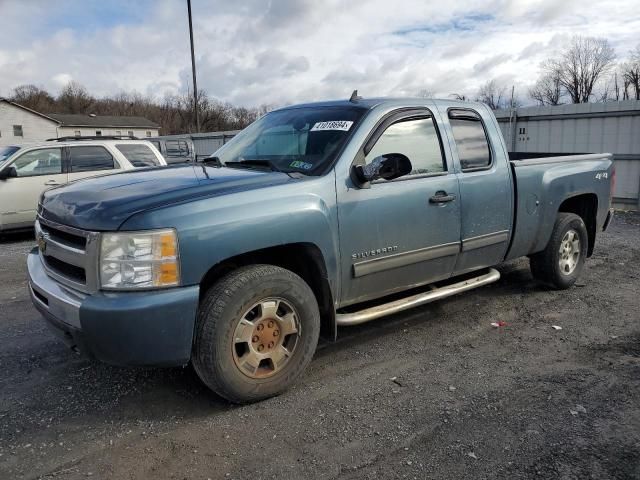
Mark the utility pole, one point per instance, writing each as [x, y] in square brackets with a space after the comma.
[193, 69]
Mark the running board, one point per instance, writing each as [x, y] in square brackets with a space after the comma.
[346, 319]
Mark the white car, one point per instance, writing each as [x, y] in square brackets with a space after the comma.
[26, 171]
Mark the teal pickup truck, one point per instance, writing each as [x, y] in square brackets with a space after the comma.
[314, 217]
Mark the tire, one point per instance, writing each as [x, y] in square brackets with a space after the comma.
[560, 269]
[229, 341]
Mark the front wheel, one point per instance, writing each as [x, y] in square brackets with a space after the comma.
[559, 265]
[257, 330]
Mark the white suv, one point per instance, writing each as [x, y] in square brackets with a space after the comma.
[26, 171]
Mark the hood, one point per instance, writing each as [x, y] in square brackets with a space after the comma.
[104, 203]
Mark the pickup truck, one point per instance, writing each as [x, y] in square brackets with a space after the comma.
[315, 216]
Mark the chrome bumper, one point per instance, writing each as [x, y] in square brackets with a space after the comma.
[55, 302]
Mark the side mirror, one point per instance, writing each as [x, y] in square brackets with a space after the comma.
[9, 172]
[389, 167]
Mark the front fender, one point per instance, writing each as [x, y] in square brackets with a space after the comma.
[211, 230]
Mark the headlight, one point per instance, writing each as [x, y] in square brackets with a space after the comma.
[139, 260]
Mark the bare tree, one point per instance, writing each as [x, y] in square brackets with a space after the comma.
[631, 73]
[74, 98]
[494, 95]
[581, 66]
[173, 112]
[32, 97]
[613, 90]
[548, 89]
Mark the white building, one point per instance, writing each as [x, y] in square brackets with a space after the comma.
[20, 125]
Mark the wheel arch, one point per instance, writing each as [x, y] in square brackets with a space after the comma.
[586, 207]
[304, 259]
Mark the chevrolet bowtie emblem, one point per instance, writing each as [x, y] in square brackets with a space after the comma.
[42, 242]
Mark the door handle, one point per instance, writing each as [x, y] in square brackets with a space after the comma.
[441, 197]
[51, 183]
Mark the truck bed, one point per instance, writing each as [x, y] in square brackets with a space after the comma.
[545, 185]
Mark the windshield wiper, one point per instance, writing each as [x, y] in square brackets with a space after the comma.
[253, 163]
[212, 159]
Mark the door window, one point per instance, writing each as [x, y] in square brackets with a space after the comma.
[90, 158]
[47, 161]
[471, 139]
[417, 138]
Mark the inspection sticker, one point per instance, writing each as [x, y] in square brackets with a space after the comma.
[299, 164]
[343, 125]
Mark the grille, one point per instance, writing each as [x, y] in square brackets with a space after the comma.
[70, 239]
[69, 254]
[72, 272]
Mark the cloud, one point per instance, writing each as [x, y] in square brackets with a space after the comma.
[61, 79]
[486, 65]
[253, 52]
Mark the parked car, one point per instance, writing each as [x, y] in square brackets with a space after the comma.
[26, 171]
[240, 263]
[175, 150]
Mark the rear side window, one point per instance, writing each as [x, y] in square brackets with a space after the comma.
[416, 138]
[89, 159]
[156, 144]
[138, 155]
[471, 139]
[177, 148]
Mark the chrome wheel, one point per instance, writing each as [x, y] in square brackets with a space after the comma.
[569, 252]
[265, 338]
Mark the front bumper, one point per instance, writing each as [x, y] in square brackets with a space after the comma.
[152, 328]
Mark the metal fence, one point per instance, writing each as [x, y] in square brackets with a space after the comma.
[612, 127]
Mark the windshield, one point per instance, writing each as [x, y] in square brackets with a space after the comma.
[6, 152]
[304, 140]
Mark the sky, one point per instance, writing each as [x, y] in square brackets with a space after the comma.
[277, 52]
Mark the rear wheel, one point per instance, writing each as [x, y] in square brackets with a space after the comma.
[257, 330]
[559, 265]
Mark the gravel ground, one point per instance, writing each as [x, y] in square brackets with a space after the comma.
[434, 393]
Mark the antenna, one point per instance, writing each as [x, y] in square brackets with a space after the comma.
[354, 97]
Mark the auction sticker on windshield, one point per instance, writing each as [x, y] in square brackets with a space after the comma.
[343, 125]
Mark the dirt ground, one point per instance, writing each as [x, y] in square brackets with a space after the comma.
[467, 401]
